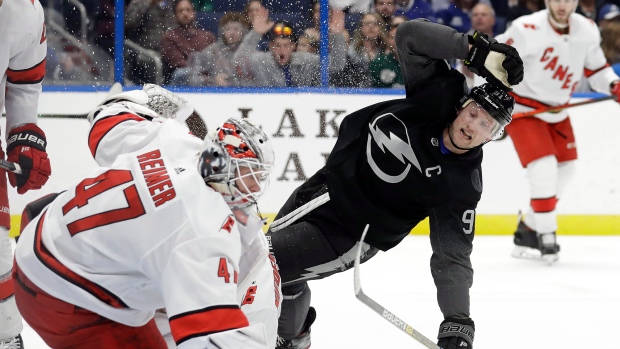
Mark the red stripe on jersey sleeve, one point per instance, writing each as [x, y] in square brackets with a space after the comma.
[206, 321]
[31, 75]
[104, 125]
[544, 205]
[588, 72]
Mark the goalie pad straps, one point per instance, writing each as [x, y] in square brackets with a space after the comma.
[454, 329]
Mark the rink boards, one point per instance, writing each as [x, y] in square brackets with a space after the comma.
[303, 129]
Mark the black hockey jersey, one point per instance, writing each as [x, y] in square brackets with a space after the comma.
[387, 168]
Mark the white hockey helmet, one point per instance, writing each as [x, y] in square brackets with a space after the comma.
[236, 161]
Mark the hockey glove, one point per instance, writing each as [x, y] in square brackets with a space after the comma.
[456, 334]
[26, 146]
[499, 64]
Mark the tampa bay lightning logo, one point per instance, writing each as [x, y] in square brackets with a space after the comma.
[397, 143]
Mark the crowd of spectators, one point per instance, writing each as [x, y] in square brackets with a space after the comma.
[277, 42]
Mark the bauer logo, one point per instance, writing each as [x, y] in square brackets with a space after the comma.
[394, 149]
[396, 320]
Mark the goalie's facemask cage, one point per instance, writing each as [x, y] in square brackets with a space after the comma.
[237, 162]
[494, 101]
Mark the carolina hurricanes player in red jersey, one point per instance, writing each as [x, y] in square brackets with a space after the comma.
[23, 47]
[165, 222]
[557, 46]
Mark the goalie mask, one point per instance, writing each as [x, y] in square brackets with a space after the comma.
[236, 161]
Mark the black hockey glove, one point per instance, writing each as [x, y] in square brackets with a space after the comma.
[456, 334]
[499, 64]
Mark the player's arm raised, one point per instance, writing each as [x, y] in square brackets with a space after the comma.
[424, 46]
[128, 121]
[498, 63]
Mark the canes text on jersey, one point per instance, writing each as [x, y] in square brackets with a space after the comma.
[156, 177]
[560, 72]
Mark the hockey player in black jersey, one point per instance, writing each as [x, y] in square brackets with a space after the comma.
[394, 164]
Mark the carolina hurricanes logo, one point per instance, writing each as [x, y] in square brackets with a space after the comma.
[399, 148]
[228, 224]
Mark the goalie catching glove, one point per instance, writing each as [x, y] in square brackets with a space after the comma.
[499, 64]
[456, 334]
[26, 147]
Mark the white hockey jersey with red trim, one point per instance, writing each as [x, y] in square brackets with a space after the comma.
[141, 232]
[23, 48]
[554, 63]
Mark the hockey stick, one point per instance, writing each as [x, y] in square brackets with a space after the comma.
[393, 319]
[10, 166]
[563, 106]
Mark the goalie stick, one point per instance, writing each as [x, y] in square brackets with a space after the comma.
[389, 316]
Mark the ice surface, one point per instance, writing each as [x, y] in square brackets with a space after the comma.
[516, 304]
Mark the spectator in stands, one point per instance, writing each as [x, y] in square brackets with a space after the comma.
[587, 8]
[524, 7]
[351, 6]
[415, 9]
[369, 40]
[608, 14]
[396, 20]
[258, 17]
[203, 5]
[104, 27]
[282, 66]
[457, 15]
[482, 20]
[307, 43]
[214, 65]
[336, 22]
[386, 8]
[146, 22]
[52, 65]
[185, 38]
[384, 69]
[610, 43]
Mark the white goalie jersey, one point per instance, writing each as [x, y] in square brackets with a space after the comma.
[144, 232]
[554, 63]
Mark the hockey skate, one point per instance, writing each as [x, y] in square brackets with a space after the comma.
[302, 341]
[531, 245]
[12, 343]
